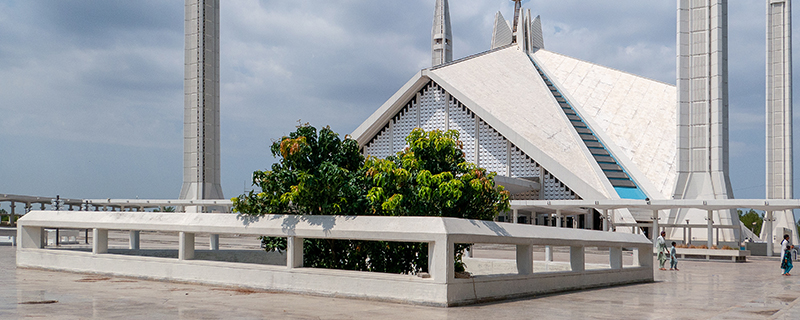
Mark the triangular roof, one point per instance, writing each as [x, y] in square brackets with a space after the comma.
[636, 115]
[503, 88]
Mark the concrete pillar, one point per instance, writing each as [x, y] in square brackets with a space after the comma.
[611, 226]
[524, 259]
[577, 258]
[31, 237]
[294, 252]
[558, 218]
[654, 233]
[134, 240]
[710, 221]
[643, 256]
[770, 241]
[575, 221]
[589, 221]
[615, 257]
[214, 242]
[11, 221]
[41, 206]
[440, 260]
[99, 241]
[605, 220]
[514, 215]
[186, 246]
[548, 253]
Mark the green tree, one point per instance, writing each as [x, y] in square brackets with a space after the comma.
[431, 177]
[322, 174]
[752, 220]
[166, 209]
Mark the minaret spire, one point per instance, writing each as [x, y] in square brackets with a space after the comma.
[441, 35]
[517, 12]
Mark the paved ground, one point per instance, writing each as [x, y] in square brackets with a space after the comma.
[701, 290]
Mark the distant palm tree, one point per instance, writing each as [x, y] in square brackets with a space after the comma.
[166, 209]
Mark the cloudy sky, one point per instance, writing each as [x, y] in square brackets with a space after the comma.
[91, 91]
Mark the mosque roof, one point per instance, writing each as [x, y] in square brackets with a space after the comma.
[632, 116]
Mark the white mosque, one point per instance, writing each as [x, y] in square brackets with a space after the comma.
[555, 127]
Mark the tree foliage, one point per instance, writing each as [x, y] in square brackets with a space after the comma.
[752, 220]
[321, 174]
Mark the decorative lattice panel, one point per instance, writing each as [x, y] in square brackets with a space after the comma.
[463, 121]
[380, 146]
[433, 110]
[522, 166]
[493, 149]
[433, 104]
[555, 190]
[404, 122]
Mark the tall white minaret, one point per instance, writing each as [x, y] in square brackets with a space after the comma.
[201, 152]
[779, 120]
[703, 117]
[441, 35]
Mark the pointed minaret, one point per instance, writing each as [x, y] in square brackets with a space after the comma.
[703, 117]
[501, 35]
[201, 153]
[779, 121]
[441, 36]
[521, 33]
[537, 38]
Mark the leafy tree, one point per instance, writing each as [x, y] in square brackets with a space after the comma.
[431, 177]
[752, 220]
[166, 209]
[322, 174]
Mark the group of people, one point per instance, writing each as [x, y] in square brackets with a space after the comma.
[664, 254]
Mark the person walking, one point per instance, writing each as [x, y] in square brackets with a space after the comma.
[786, 255]
[673, 258]
[661, 248]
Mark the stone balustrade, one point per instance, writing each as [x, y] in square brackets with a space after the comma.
[442, 288]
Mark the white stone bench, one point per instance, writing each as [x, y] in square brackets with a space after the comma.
[442, 288]
[10, 233]
[712, 254]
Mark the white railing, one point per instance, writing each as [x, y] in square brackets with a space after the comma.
[442, 288]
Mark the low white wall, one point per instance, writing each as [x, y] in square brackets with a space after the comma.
[441, 289]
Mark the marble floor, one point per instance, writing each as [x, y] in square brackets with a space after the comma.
[701, 290]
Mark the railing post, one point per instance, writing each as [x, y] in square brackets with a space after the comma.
[605, 219]
[30, 237]
[558, 218]
[577, 260]
[186, 246]
[213, 242]
[548, 253]
[294, 252]
[615, 257]
[440, 260]
[710, 228]
[99, 241]
[134, 240]
[524, 259]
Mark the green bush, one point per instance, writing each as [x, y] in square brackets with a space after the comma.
[320, 174]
